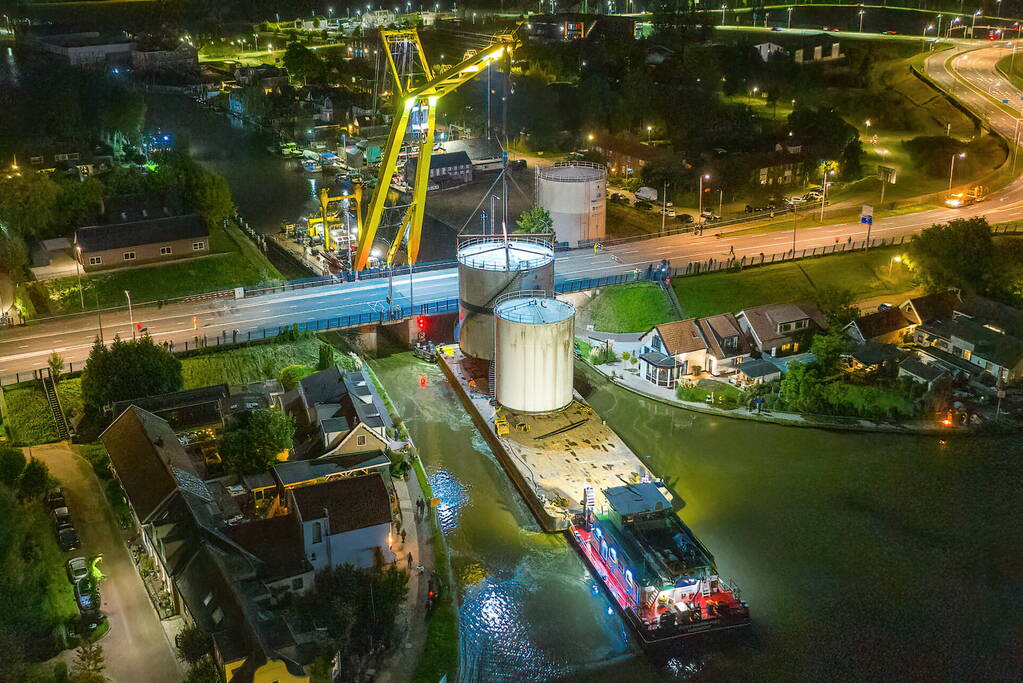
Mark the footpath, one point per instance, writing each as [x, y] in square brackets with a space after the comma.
[633, 382]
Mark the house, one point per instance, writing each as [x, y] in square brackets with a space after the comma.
[153, 54]
[888, 326]
[727, 345]
[338, 413]
[212, 406]
[450, 168]
[782, 166]
[925, 373]
[160, 238]
[923, 309]
[672, 350]
[624, 154]
[269, 78]
[873, 357]
[757, 371]
[209, 578]
[985, 347]
[88, 49]
[486, 155]
[819, 48]
[62, 155]
[344, 521]
[766, 50]
[776, 328]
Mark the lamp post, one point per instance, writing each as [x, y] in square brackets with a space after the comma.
[952, 169]
[973, 24]
[998, 8]
[790, 18]
[648, 130]
[704, 176]
[895, 259]
[131, 318]
[937, 34]
[78, 269]
[664, 207]
[862, 12]
[923, 35]
[824, 195]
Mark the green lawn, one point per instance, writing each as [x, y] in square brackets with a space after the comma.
[248, 363]
[630, 308]
[69, 392]
[865, 273]
[29, 420]
[725, 395]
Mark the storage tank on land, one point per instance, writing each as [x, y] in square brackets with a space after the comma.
[574, 194]
[490, 267]
[534, 353]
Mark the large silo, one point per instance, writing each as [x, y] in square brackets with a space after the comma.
[574, 193]
[490, 267]
[534, 353]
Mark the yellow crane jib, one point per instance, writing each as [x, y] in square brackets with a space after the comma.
[326, 221]
[407, 99]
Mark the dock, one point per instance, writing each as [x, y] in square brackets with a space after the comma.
[550, 457]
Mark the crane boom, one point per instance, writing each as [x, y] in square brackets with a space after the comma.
[407, 98]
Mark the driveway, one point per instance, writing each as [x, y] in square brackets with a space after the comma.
[136, 647]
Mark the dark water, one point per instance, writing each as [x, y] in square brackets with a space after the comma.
[268, 189]
[863, 557]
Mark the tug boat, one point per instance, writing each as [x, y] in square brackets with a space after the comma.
[659, 575]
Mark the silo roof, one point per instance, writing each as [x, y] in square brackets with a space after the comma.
[498, 255]
[534, 310]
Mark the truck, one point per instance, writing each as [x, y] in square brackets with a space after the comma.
[647, 193]
[967, 197]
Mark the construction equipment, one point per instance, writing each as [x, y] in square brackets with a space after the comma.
[970, 196]
[418, 105]
[501, 426]
[326, 221]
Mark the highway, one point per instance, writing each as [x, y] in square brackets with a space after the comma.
[977, 85]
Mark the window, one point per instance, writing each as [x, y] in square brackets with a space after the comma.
[95, 260]
[165, 251]
[360, 440]
[317, 532]
[628, 576]
[207, 599]
[218, 616]
[198, 246]
[36, 161]
[129, 256]
[296, 584]
[613, 554]
[74, 156]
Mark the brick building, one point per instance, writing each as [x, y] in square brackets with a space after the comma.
[161, 238]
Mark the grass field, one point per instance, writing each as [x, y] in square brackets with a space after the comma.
[248, 363]
[865, 273]
[630, 308]
[28, 419]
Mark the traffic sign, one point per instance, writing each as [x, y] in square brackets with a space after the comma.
[867, 210]
[867, 220]
[887, 174]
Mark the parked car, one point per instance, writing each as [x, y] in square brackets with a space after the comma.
[77, 569]
[667, 212]
[884, 307]
[67, 539]
[684, 218]
[85, 595]
[61, 518]
[643, 206]
[55, 498]
[813, 196]
[710, 215]
[795, 200]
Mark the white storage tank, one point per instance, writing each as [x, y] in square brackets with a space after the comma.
[490, 267]
[533, 371]
[574, 193]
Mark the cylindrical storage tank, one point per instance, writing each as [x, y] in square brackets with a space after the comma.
[533, 371]
[489, 268]
[574, 193]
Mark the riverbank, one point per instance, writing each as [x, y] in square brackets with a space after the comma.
[635, 384]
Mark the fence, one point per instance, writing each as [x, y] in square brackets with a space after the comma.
[324, 280]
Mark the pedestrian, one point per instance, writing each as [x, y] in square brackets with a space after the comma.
[731, 250]
[409, 558]
[403, 537]
[850, 239]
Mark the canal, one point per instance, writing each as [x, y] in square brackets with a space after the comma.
[268, 189]
[862, 556]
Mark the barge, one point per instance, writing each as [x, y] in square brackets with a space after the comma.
[661, 578]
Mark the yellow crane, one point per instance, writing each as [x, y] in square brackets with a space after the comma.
[407, 98]
[326, 221]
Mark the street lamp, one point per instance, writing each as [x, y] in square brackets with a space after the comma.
[952, 169]
[862, 12]
[973, 24]
[753, 92]
[824, 195]
[703, 177]
[923, 36]
[895, 259]
[648, 129]
[78, 269]
[131, 318]
[790, 18]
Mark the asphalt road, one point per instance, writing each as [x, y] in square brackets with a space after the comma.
[26, 348]
[136, 647]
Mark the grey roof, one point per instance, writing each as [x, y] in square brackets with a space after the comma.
[636, 498]
[325, 386]
[882, 323]
[784, 362]
[260, 480]
[298, 471]
[334, 424]
[350, 503]
[758, 368]
[659, 360]
[928, 372]
[873, 353]
[441, 161]
[764, 320]
[988, 312]
[152, 231]
[367, 402]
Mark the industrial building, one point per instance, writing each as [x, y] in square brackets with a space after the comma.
[534, 352]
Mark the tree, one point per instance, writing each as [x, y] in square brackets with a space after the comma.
[836, 303]
[801, 388]
[28, 204]
[128, 369]
[193, 644]
[203, 671]
[291, 374]
[13, 254]
[535, 220]
[326, 357]
[89, 659]
[33, 480]
[55, 363]
[960, 253]
[253, 444]
[828, 349]
[302, 62]
[210, 196]
[12, 463]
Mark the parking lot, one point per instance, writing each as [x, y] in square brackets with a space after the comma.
[136, 648]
